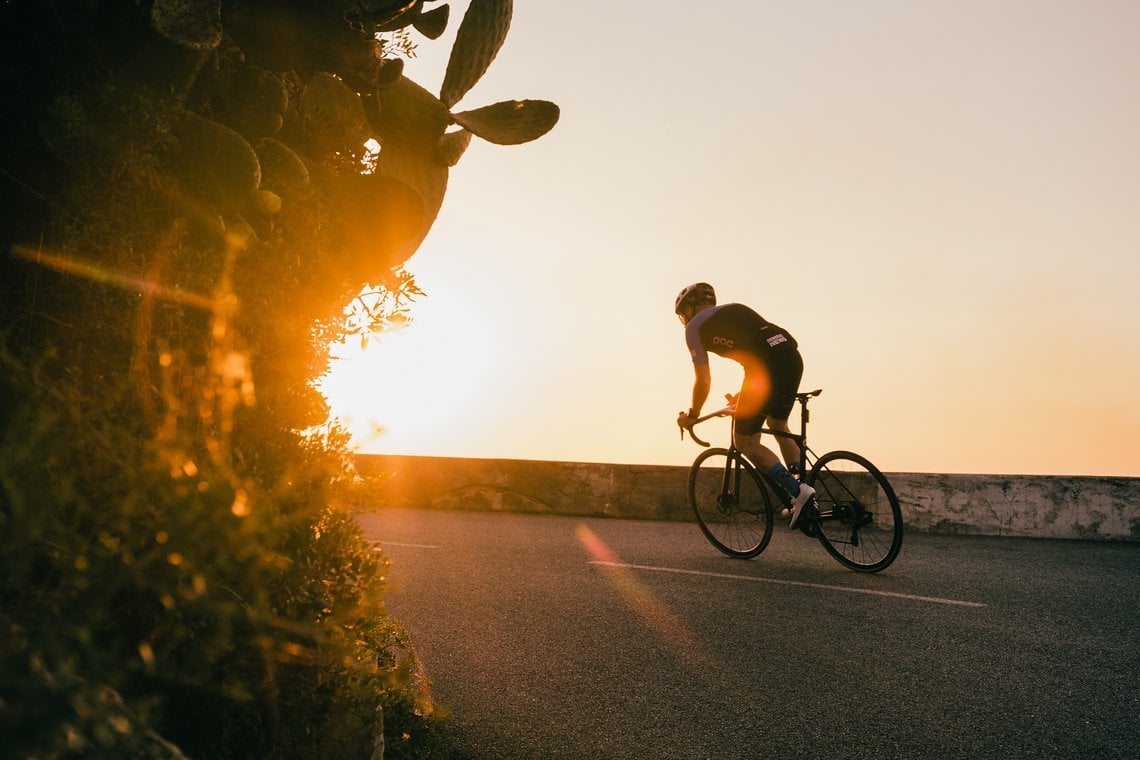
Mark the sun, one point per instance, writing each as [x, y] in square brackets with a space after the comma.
[407, 391]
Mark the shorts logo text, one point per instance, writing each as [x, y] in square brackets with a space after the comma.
[722, 342]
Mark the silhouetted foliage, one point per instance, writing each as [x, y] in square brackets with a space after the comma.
[188, 205]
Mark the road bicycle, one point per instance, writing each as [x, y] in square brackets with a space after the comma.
[854, 513]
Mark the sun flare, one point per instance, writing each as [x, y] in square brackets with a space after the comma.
[404, 390]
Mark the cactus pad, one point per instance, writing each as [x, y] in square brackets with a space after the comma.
[510, 122]
[477, 43]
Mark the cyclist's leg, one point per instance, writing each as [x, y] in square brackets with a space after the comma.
[750, 416]
[786, 370]
[760, 455]
[789, 449]
[754, 400]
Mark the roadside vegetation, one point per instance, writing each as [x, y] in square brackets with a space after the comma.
[193, 191]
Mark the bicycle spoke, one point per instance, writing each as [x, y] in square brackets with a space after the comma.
[860, 521]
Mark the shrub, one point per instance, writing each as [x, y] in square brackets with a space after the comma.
[184, 218]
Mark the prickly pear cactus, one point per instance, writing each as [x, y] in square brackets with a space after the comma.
[510, 122]
[415, 123]
[315, 78]
[480, 36]
[193, 190]
[215, 162]
[297, 121]
[254, 102]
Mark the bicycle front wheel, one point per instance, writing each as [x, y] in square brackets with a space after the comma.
[860, 521]
[732, 503]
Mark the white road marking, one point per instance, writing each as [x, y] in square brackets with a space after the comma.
[781, 582]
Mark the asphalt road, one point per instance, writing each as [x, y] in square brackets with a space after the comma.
[561, 637]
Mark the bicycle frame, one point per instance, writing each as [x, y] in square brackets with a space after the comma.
[800, 438]
[859, 525]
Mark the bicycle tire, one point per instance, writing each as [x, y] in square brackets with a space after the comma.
[732, 503]
[858, 519]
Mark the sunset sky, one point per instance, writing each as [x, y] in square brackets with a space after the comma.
[940, 200]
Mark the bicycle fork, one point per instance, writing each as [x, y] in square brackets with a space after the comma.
[729, 485]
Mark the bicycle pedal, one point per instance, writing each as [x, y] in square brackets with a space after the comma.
[809, 521]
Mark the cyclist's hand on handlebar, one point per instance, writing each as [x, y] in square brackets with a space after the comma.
[685, 422]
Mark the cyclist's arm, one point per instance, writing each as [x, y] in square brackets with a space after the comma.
[702, 380]
[701, 384]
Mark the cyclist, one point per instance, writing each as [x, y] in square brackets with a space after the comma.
[772, 371]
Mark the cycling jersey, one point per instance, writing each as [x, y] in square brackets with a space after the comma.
[769, 354]
[736, 332]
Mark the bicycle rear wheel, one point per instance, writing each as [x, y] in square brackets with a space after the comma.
[732, 503]
[860, 520]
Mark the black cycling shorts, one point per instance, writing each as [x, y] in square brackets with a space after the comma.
[769, 390]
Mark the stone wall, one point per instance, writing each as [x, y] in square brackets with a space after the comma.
[989, 505]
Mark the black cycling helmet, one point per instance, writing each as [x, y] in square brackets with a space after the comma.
[697, 294]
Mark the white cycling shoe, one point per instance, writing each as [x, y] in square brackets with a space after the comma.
[798, 503]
